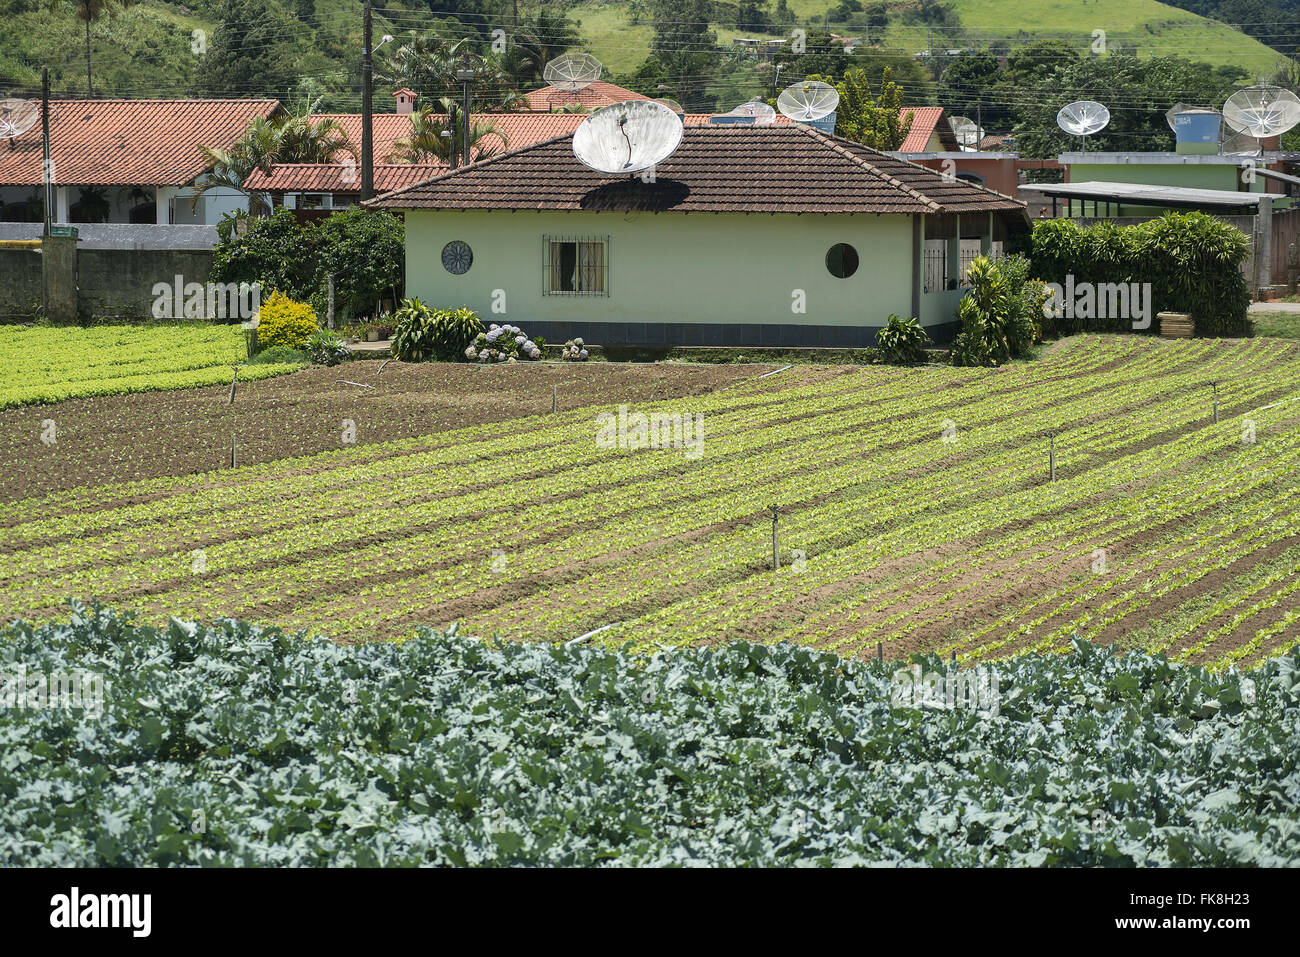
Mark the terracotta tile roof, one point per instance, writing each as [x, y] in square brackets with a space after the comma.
[128, 142]
[595, 95]
[925, 119]
[337, 178]
[766, 169]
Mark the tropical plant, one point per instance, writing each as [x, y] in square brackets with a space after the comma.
[429, 64]
[901, 342]
[421, 333]
[439, 137]
[326, 349]
[284, 322]
[89, 11]
[870, 119]
[1000, 314]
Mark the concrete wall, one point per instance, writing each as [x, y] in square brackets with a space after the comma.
[124, 236]
[95, 283]
[677, 279]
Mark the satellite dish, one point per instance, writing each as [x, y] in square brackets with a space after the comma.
[1262, 111]
[1241, 144]
[967, 132]
[572, 71]
[17, 117]
[763, 114]
[672, 105]
[1083, 118]
[808, 101]
[1177, 108]
[627, 137]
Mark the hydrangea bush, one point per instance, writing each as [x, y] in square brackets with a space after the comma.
[574, 351]
[504, 344]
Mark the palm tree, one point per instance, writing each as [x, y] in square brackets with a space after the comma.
[88, 11]
[428, 65]
[285, 139]
[433, 139]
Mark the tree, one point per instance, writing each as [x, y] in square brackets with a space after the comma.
[684, 45]
[967, 84]
[433, 138]
[428, 65]
[250, 53]
[875, 121]
[286, 139]
[88, 11]
[822, 55]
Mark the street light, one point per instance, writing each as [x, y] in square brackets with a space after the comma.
[466, 76]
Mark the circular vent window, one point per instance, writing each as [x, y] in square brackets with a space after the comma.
[842, 260]
[457, 257]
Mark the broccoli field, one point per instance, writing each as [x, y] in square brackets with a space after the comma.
[227, 743]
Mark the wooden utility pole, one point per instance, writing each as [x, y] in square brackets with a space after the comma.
[47, 171]
[367, 113]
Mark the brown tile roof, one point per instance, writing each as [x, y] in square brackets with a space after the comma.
[925, 120]
[520, 130]
[592, 96]
[765, 169]
[128, 142]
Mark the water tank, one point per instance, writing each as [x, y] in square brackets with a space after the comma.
[826, 124]
[1197, 131]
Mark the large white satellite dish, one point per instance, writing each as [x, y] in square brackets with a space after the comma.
[1083, 118]
[808, 101]
[967, 132]
[17, 117]
[627, 137]
[572, 71]
[763, 114]
[1262, 111]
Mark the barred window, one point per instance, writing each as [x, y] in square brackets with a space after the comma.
[575, 265]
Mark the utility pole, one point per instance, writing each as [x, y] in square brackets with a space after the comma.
[367, 117]
[47, 171]
[453, 119]
[465, 76]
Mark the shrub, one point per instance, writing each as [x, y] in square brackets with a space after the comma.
[1000, 314]
[327, 349]
[504, 344]
[1192, 260]
[281, 354]
[902, 341]
[284, 322]
[421, 333]
[575, 350]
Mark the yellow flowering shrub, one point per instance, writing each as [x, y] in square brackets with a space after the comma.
[284, 322]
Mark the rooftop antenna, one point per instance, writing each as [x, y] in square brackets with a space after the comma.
[16, 118]
[810, 102]
[1262, 111]
[1082, 118]
[967, 132]
[763, 114]
[572, 72]
[627, 137]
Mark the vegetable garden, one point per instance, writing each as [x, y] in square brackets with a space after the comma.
[915, 514]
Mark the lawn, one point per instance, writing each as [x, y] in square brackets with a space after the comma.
[1280, 325]
[40, 364]
[916, 513]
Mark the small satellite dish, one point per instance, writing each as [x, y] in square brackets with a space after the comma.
[1241, 144]
[967, 132]
[1177, 108]
[627, 137]
[763, 114]
[808, 101]
[1083, 118]
[672, 105]
[1262, 111]
[572, 71]
[17, 117]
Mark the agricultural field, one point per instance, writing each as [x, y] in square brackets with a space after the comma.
[916, 512]
[41, 364]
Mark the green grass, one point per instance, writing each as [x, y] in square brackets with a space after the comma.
[1280, 325]
[41, 364]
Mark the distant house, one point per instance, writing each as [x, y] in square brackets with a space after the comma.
[593, 96]
[126, 161]
[768, 235]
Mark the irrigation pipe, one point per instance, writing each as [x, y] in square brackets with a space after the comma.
[581, 638]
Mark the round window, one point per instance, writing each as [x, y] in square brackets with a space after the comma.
[457, 257]
[842, 260]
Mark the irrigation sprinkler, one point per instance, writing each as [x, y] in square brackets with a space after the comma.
[581, 638]
[382, 364]
[232, 386]
[233, 458]
[880, 652]
[776, 550]
[360, 385]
